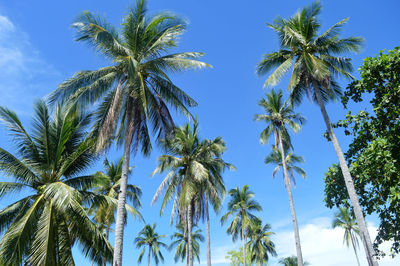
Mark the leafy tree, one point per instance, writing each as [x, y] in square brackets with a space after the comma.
[235, 257]
[180, 242]
[290, 261]
[150, 238]
[193, 171]
[240, 206]
[108, 183]
[278, 116]
[42, 227]
[315, 60]
[344, 220]
[374, 153]
[135, 91]
[260, 244]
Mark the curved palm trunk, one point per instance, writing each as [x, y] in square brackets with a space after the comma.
[292, 210]
[355, 250]
[208, 232]
[186, 238]
[190, 246]
[365, 238]
[121, 211]
[243, 244]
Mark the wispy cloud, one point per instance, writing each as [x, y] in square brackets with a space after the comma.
[323, 245]
[24, 74]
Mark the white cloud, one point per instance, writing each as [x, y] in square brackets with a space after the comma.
[323, 245]
[24, 74]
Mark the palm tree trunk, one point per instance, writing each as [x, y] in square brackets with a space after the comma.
[208, 232]
[365, 238]
[291, 203]
[148, 257]
[355, 250]
[244, 249]
[190, 246]
[186, 237]
[121, 211]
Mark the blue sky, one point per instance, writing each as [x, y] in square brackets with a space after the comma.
[37, 52]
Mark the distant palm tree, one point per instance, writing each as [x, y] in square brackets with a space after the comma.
[260, 244]
[180, 242]
[278, 116]
[291, 261]
[346, 221]
[291, 159]
[314, 60]
[108, 183]
[135, 90]
[42, 227]
[194, 169]
[150, 238]
[241, 205]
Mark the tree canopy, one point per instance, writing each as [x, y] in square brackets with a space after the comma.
[373, 154]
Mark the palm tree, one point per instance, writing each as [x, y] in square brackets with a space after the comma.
[344, 220]
[135, 90]
[278, 115]
[260, 244]
[291, 261]
[240, 206]
[42, 227]
[193, 173]
[180, 242]
[149, 237]
[108, 183]
[291, 159]
[314, 61]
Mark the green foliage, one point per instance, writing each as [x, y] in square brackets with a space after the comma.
[260, 245]
[240, 206]
[180, 242]
[108, 183]
[290, 261]
[374, 153]
[42, 228]
[150, 238]
[235, 257]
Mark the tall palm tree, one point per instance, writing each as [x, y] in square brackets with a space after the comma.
[345, 220]
[241, 205]
[291, 160]
[180, 242]
[135, 90]
[42, 227]
[315, 60]
[291, 261]
[260, 244]
[279, 115]
[150, 238]
[193, 172]
[108, 183]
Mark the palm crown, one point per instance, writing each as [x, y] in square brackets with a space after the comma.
[42, 227]
[314, 59]
[180, 242]
[149, 237]
[260, 244]
[136, 88]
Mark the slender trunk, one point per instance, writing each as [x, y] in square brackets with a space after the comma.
[148, 258]
[121, 211]
[186, 238]
[244, 248]
[365, 238]
[208, 232]
[355, 250]
[190, 246]
[292, 210]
